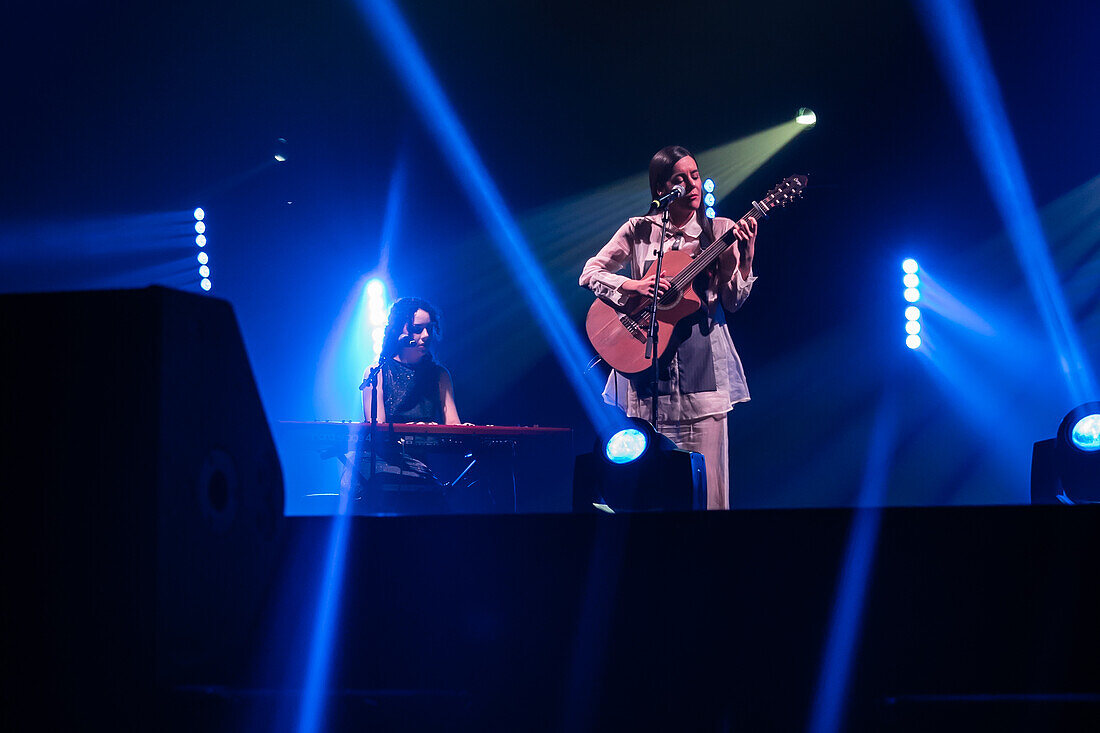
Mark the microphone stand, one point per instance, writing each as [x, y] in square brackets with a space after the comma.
[651, 342]
[372, 382]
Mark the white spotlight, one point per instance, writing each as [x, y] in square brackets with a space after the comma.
[909, 265]
[913, 341]
[199, 214]
[806, 116]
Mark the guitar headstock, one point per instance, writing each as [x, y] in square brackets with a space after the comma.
[788, 190]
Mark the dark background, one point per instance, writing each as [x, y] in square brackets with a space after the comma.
[122, 117]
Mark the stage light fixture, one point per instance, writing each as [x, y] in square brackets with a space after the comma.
[709, 200]
[205, 284]
[204, 271]
[200, 227]
[806, 117]
[199, 214]
[280, 150]
[626, 446]
[203, 258]
[1066, 469]
[911, 281]
[638, 469]
[200, 240]
[376, 315]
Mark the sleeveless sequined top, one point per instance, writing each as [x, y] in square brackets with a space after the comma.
[411, 393]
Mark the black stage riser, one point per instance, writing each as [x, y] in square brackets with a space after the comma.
[709, 620]
[695, 621]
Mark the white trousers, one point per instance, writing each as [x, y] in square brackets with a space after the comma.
[708, 436]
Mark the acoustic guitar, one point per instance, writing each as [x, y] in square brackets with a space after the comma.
[619, 333]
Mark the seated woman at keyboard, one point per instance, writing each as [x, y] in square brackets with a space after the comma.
[414, 387]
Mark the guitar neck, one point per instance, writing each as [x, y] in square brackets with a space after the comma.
[707, 256]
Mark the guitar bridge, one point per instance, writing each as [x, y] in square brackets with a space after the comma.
[633, 327]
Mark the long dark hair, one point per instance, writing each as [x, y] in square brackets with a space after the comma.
[660, 170]
[402, 314]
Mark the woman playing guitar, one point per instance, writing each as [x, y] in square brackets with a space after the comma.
[700, 374]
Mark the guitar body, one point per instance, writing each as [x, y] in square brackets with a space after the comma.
[619, 334]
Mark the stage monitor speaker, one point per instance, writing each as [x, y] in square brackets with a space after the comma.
[143, 495]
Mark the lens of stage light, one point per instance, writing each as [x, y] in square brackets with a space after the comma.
[912, 295]
[708, 185]
[626, 446]
[205, 284]
[710, 213]
[1086, 433]
[377, 316]
[199, 214]
[910, 280]
[805, 116]
[909, 265]
[913, 341]
[204, 271]
[200, 239]
[912, 327]
[912, 313]
[375, 288]
[709, 199]
[202, 258]
[200, 227]
[280, 157]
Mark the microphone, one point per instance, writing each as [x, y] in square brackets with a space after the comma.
[660, 204]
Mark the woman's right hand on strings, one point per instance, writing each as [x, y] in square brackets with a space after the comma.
[645, 286]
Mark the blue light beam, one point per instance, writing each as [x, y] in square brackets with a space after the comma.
[314, 691]
[827, 714]
[396, 40]
[960, 49]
